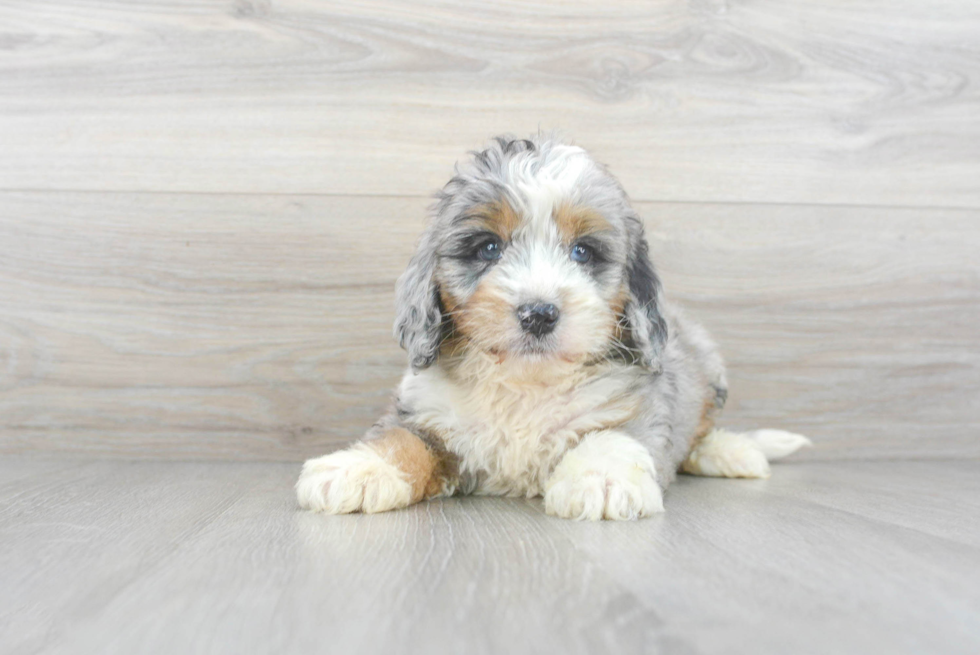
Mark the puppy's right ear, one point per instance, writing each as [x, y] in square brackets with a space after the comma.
[418, 311]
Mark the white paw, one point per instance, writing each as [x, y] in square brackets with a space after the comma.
[727, 455]
[354, 480]
[608, 475]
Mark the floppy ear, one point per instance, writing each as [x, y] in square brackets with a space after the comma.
[647, 326]
[418, 311]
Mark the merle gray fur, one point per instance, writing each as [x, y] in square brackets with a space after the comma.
[682, 364]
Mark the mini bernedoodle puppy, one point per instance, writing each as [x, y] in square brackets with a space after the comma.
[544, 357]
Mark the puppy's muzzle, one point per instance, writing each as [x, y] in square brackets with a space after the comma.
[538, 318]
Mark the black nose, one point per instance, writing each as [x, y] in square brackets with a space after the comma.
[537, 318]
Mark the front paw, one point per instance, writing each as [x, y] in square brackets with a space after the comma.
[596, 481]
[354, 480]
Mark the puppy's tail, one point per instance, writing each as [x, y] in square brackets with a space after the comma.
[725, 454]
[777, 444]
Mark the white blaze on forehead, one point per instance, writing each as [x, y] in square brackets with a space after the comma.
[544, 269]
[555, 182]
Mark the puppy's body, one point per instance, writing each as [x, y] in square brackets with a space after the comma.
[545, 360]
[510, 423]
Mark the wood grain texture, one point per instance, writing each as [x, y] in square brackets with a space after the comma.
[239, 318]
[897, 493]
[863, 102]
[126, 557]
[258, 327]
[781, 573]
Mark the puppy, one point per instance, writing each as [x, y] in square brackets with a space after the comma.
[544, 357]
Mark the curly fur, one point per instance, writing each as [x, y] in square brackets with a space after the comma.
[597, 412]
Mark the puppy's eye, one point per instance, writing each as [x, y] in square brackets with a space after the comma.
[581, 253]
[489, 251]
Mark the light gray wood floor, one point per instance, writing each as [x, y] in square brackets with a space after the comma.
[194, 557]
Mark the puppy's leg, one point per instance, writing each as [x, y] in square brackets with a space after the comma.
[607, 475]
[393, 470]
[721, 453]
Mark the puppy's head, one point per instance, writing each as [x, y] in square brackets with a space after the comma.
[533, 253]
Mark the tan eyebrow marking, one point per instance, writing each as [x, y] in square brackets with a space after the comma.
[573, 222]
[498, 217]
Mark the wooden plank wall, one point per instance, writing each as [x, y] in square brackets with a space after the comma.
[204, 205]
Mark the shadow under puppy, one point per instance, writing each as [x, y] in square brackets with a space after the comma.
[544, 357]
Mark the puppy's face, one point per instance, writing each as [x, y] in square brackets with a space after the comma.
[534, 253]
[544, 279]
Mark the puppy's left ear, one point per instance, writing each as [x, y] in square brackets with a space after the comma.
[647, 326]
[418, 311]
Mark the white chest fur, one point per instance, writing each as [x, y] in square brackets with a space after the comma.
[510, 425]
